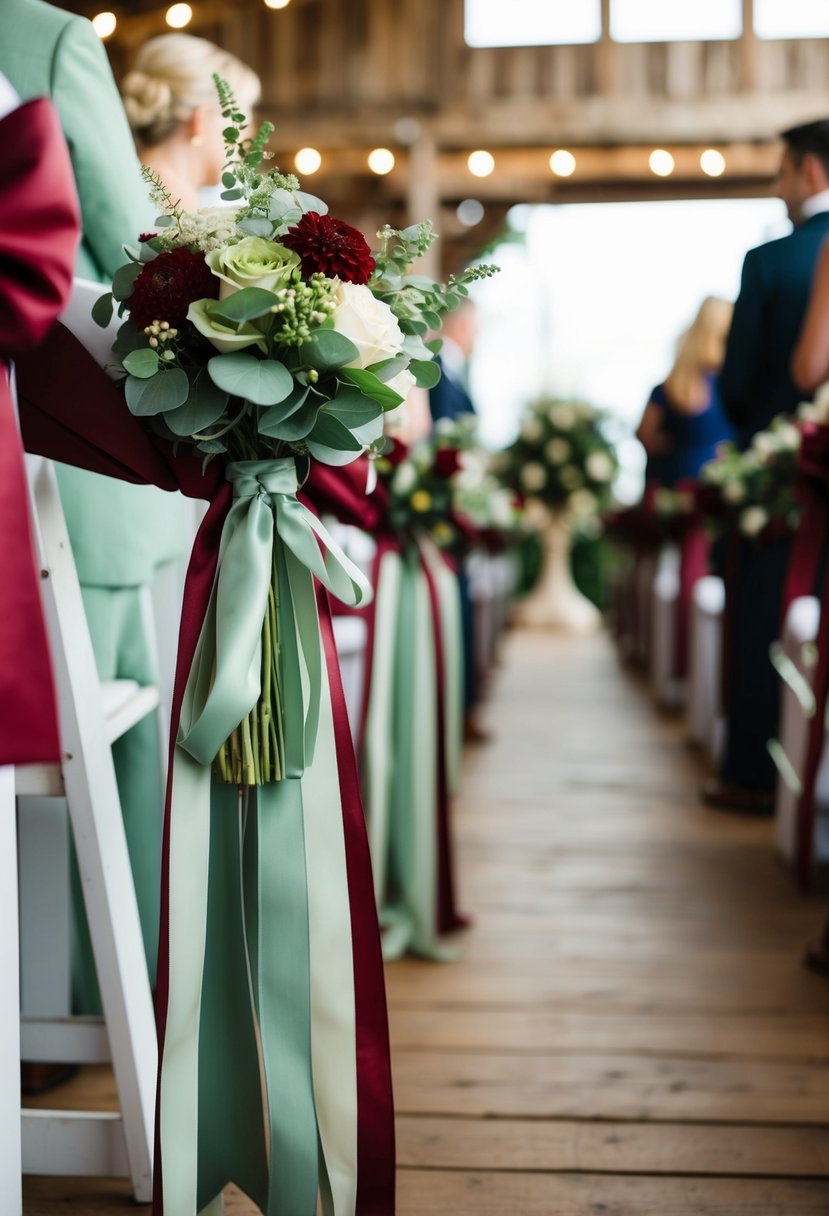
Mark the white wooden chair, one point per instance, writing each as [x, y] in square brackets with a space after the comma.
[795, 659]
[705, 664]
[92, 716]
[668, 689]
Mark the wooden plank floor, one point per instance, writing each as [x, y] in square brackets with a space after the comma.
[629, 1031]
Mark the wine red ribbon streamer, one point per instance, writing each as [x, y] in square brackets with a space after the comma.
[39, 233]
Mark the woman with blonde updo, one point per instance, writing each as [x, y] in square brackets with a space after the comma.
[174, 112]
[684, 419]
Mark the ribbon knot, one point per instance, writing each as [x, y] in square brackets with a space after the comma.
[268, 536]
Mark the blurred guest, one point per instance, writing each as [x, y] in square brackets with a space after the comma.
[684, 421]
[756, 384]
[450, 396]
[174, 113]
[120, 533]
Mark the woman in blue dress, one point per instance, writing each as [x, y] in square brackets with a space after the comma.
[684, 420]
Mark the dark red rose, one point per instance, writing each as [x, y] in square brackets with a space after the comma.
[399, 452]
[331, 247]
[168, 285]
[447, 462]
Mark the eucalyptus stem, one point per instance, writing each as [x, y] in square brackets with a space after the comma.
[248, 766]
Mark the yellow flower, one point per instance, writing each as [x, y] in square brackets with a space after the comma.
[441, 533]
[421, 501]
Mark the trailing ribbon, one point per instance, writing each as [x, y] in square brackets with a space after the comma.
[225, 679]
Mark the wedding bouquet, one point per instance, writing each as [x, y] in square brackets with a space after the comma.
[562, 457]
[267, 333]
[754, 491]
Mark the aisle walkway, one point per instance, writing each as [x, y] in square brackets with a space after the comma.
[629, 1031]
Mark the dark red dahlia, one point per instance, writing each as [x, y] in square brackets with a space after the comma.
[331, 247]
[447, 462]
[168, 285]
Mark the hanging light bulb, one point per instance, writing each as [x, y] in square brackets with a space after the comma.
[178, 16]
[661, 162]
[277, 3]
[381, 161]
[712, 162]
[307, 161]
[481, 163]
[104, 24]
[562, 163]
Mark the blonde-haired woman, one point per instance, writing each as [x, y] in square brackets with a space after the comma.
[684, 419]
[174, 112]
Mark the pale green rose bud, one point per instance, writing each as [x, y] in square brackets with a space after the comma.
[253, 262]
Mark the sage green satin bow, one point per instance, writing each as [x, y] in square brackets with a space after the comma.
[225, 679]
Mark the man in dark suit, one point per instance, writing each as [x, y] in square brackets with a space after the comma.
[756, 385]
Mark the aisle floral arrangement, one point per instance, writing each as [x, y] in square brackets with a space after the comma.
[262, 338]
[753, 491]
[443, 488]
[270, 331]
[562, 457]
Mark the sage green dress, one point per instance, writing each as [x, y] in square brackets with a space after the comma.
[120, 533]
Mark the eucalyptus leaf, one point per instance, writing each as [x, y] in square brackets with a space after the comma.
[293, 428]
[262, 381]
[426, 372]
[165, 221]
[412, 327]
[310, 202]
[326, 350]
[256, 226]
[204, 406]
[387, 369]
[165, 391]
[354, 407]
[142, 363]
[102, 310]
[230, 196]
[228, 180]
[370, 386]
[332, 456]
[245, 305]
[331, 434]
[123, 280]
[416, 348]
[432, 319]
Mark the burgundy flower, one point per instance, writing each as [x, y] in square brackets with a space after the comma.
[168, 285]
[447, 462]
[331, 247]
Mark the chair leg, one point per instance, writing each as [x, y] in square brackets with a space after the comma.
[11, 1200]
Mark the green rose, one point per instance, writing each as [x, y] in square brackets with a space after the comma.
[224, 337]
[253, 262]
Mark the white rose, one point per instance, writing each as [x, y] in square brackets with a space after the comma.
[582, 502]
[533, 476]
[562, 416]
[571, 478]
[532, 430]
[599, 466]
[557, 451]
[733, 491]
[763, 444]
[788, 437]
[368, 323]
[753, 520]
[404, 479]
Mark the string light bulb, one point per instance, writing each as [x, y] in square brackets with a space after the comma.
[712, 162]
[178, 16]
[661, 162]
[104, 24]
[563, 163]
[277, 3]
[481, 163]
[307, 161]
[381, 161]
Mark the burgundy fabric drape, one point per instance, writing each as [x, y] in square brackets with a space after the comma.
[39, 233]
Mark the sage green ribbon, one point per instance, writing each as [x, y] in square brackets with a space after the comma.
[225, 678]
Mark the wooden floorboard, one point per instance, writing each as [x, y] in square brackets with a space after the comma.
[629, 1031]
